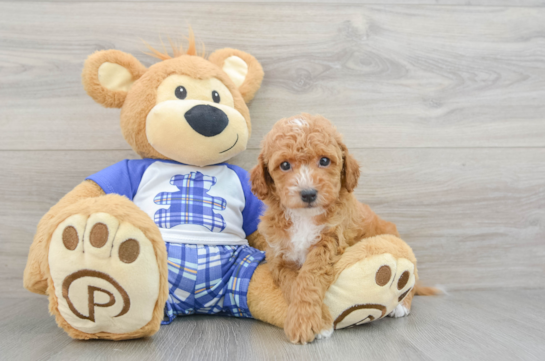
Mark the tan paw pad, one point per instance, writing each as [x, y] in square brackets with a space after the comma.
[369, 290]
[105, 274]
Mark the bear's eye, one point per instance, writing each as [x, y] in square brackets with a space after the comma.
[216, 96]
[180, 92]
[324, 162]
[285, 166]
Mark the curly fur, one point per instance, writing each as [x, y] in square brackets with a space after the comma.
[304, 241]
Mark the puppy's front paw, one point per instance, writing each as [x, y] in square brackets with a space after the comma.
[303, 322]
[400, 311]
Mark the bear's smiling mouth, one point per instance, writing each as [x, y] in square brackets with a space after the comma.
[231, 147]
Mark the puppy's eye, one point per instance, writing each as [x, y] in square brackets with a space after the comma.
[285, 166]
[324, 162]
[180, 92]
[216, 97]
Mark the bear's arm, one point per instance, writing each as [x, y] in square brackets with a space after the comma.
[34, 277]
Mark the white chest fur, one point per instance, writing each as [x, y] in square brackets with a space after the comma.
[304, 233]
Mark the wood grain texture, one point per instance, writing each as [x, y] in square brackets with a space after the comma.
[511, 3]
[478, 325]
[474, 217]
[389, 76]
[441, 101]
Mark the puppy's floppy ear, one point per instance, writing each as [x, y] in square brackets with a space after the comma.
[351, 170]
[261, 179]
[109, 74]
[243, 69]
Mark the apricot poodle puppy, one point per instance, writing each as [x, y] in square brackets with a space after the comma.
[306, 176]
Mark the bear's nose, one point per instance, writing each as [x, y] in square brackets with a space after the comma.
[207, 120]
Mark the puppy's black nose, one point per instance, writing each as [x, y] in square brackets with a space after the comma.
[207, 120]
[309, 195]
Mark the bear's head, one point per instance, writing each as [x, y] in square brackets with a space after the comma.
[185, 108]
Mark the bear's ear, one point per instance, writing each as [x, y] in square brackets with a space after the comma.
[109, 74]
[243, 69]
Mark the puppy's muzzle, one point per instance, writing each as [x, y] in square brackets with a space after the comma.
[207, 120]
[309, 195]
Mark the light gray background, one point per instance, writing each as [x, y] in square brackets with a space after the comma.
[442, 103]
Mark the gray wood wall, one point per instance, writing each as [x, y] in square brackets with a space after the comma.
[442, 102]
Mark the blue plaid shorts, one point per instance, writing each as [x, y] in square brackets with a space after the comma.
[209, 279]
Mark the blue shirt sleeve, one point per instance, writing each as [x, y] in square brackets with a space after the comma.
[122, 178]
[254, 207]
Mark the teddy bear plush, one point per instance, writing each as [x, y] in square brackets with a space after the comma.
[175, 233]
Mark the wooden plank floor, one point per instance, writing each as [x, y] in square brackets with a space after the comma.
[388, 76]
[441, 101]
[504, 3]
[460, 209]
[473, 325]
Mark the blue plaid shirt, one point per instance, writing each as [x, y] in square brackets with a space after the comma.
[191, 204]
[194, 205]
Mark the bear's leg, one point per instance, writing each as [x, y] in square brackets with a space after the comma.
[371, 279]
[265, 299]
[107, 270]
